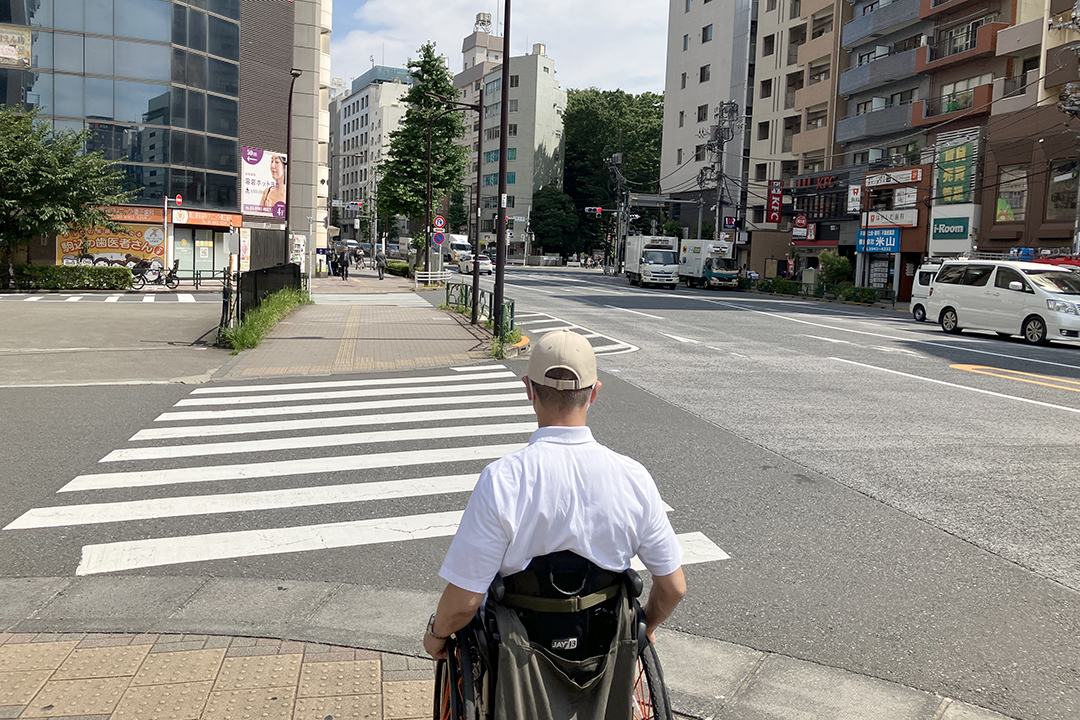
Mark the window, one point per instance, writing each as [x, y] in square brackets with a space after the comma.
[1061, 190]
[687, 6]
[770, 6]
[977, 275]
[860, 158]
[513, 81]
[763, 131]
[1006, 275]
[864, 107]
[699, 153]
[682, 118]
[768, 45]
[512, 106]
[705, 73]
[683, 81]
[706, 33]
[758, 214]
[492, 179]
[950, 274]
[494, 86]
[511, 178]
[547, 69]
[685, 42]
[761, 171]
[511, 130]
[906, 44]
[678, 157]
[511, 153]
[766, 89]
[902, 98]
[702, 113]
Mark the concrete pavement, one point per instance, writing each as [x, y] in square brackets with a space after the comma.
[129, 646]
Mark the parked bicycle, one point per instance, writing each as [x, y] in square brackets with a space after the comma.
[144, 273]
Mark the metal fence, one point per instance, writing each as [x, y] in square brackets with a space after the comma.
[460, 295]
[255, 285]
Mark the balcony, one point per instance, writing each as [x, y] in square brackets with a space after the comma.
[788, 142]
[811, 50]
[930, 8]
[897, 15]
[874, 124]
[789, 98]
[810, 140]
[880, 72]
[1015, 93]
[811, 95]
[810, 8]
[963, 104]
[934, 57]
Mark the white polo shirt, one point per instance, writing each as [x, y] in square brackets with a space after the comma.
[564, 491]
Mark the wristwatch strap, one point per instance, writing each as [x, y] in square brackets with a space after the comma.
[431, 629]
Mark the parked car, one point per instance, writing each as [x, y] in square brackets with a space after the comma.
[1039, 302]
[920, 289]
[465, 267]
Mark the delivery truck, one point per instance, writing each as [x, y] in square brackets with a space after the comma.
[652, 259]
[708, 263]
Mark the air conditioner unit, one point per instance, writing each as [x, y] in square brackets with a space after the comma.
[875, 154]
[927, 40]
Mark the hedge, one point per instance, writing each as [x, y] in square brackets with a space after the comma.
[71, 277]
[396, 267]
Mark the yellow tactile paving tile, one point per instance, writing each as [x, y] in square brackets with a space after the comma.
[407, 699]
[351, 707]
[102, 662]
[176, 701]
[34, 656]
[258, 671]
[263, 703]
[354, 677]
[187, 666]
[19, 688]
[96, 696]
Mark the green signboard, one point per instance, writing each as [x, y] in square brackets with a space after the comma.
[950, 229]
[955, 166]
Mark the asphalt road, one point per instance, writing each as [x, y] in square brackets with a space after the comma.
[887, 507]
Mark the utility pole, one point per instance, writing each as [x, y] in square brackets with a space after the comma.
[727, 121]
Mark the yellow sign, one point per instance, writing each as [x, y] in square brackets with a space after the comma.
[104, 247]
[15, 41]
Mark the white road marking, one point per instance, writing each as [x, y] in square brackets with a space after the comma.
[339, 407]
[282, 468]
[636, 312]
[74, 298]
[98, 513]
[610, 349]
[333, 395]
[832, 340]
[554, 328]
[169, 433]
[318, 441]
[681, 339]
[697, 548]
[478, 368]
[885, 349]
[961, 387]
[112, 298]
[33, 299]
[350, 383]
[184, 297]
[149, 298]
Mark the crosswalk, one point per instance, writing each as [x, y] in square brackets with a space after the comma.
[535, 324]
[147, 296]
[249, 470]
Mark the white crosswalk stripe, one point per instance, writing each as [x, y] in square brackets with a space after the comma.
[536, 324]
[411, 437]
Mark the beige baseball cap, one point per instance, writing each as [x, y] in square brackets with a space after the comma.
[565, 350]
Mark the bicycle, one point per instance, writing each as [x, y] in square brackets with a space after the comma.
[157, 276]
[465, 681]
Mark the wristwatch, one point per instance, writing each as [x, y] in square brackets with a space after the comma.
[431, 629]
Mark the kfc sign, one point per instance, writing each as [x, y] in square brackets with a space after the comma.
[776, 201]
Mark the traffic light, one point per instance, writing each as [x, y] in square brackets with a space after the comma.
[598, 210]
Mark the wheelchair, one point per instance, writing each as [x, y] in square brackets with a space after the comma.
[465, 681]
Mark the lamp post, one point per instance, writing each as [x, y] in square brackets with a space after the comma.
[295, 72]
[504, 125]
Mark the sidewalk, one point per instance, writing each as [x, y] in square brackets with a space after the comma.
[128, 647]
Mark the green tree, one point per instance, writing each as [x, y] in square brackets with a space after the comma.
[554, 221]
[403, 186]
[48, 185]
[835, 268]
[593, 121]
[457, 218]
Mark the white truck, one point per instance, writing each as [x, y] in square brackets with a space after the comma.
[708, 263]
[652, 259]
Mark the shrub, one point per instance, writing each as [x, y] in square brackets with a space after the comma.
[71, 277]
[866, 295]
[397, 267]
[846, 292]
[766, 284]
[257, 323]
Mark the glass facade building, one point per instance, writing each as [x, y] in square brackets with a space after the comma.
[156, 82]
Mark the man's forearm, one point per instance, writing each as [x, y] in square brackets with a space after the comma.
[456, 608]
[666, 592]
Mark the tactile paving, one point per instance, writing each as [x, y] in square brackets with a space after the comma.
[356, 677]
[353, 707]
[180, 667]
[97, 696]
[102, 662]
[258, 671]
[178, 701]
[34, 656]
[407, 699]
[21, 687]
[262, 703]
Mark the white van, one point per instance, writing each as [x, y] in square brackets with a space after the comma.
[920, 289]
[1037, 301]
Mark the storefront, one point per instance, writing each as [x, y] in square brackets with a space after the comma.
[199, 240]
[892, 239]
[820, 203]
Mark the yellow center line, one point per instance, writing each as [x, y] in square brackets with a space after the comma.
[1071, 385]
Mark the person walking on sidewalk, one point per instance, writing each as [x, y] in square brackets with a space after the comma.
[380, 263]
[343, 264]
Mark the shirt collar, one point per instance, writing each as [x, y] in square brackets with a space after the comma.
[562, 434]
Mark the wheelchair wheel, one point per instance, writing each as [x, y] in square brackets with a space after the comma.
[650, 694]
[455, 689]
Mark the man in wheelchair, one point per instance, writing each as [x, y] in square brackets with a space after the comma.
[547, 537]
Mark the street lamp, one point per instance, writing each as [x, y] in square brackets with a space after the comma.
[295, 72]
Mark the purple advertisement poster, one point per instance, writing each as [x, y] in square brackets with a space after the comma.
[264, 177]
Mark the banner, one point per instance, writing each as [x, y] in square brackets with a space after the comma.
[15, 47]
[104, 247]
[776, 201]
[881, 240]
[264, 181]
[955, 170]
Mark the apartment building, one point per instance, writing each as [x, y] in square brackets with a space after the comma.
[362, 118]
[710, 61]
[535, 154]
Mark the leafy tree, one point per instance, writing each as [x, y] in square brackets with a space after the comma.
[834, 267]
[403, 187]
[592, 123]
[671, 228]
[554, 221]
[48, 185]
[457, 218]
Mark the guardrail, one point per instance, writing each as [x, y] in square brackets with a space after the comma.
[460, 295]
[430, 277]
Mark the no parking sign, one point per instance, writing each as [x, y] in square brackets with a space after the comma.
[438, 238]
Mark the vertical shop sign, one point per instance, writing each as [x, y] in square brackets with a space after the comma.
[955, 164]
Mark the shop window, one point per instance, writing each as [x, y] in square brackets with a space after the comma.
[1061, 190]
[1012, 193]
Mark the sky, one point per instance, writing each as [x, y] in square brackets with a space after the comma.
[609, 44]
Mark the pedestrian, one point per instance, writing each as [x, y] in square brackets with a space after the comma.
[381, 263]
[331, 262]
[343, 264]
[359, 258]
